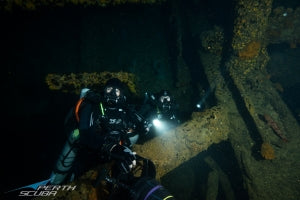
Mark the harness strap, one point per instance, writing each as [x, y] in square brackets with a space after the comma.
[101, 108]
[77, 108]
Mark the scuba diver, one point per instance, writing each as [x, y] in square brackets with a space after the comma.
[160, 110]
[103, 129]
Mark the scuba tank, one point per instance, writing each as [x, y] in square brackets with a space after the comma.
[65, 160]
[68, 154]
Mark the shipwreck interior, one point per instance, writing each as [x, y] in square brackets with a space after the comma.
[238, 61]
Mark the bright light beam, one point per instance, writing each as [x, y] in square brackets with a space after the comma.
[157, 123]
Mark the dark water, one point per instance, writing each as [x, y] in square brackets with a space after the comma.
[75, 39]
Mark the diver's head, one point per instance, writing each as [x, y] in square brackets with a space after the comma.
[114, 92]
[164, 101]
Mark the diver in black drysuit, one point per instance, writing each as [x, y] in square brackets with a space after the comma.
[104, 128]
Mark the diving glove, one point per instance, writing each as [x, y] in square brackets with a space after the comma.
[123, 154]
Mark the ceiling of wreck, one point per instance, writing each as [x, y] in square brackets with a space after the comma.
[33, 4]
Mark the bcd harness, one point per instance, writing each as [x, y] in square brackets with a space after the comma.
[129, 132]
